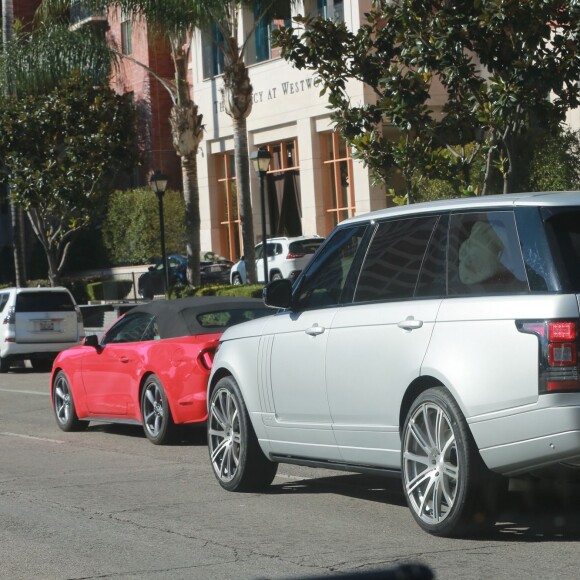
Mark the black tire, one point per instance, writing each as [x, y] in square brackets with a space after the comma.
[63, 405]
[4, 365]
[448, 488]
[155, 412]
[276, 276]
[238, 462]
[236, 280]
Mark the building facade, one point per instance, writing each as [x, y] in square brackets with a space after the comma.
[313, 183]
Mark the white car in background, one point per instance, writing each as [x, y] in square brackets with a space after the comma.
[36, 324]
[287, 257]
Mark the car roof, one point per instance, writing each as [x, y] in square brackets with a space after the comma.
[543, 198]
[172, 324]
[36, 289]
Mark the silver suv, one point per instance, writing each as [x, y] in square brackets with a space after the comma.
[436, 342]
[36, 324]
[286, 259]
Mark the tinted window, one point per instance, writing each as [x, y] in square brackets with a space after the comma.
[563, 230]
[391, 267]
[305, 246]
[324, 282]
[222, 319]
[44, 302]
[135, 327]
[485, 255]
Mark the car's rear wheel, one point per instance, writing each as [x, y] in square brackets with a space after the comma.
[64, 406]
[236, 457]
[448, 488]
[155, 412]
[236, 280]
[276, 276]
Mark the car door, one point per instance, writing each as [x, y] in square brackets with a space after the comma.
[293, 350]
[376, 344]
[110, 371]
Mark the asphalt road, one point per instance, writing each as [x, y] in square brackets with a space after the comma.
[106, 503]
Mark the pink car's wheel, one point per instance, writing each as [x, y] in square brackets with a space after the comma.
[64, 406]
[156, 415]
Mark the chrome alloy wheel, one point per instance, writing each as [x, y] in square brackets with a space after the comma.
[62, 400]
[430, 463]
[224, 435]
[153, 413]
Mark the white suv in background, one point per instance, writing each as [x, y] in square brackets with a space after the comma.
[36, 324]
[287, 257]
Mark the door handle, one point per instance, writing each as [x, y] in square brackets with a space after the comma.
[410, 324]
[124, 359]
[315, 330]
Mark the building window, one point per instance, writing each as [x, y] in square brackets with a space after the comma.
[338, 182]
[330, 9]
[273, 19]
[229, 215]
[284, 200]
[212, 53]
[126, 46]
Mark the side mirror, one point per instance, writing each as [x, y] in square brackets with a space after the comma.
[91, 340]
[278, 293]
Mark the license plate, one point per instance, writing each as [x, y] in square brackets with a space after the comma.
[46, 325]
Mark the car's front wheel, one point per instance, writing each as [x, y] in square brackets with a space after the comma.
[236, 457]
[64, 406]
[447, 486]
[236, 280]
[155, 413]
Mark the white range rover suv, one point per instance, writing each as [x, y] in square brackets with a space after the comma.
[286, 257]
[436, 342]
[36, 324]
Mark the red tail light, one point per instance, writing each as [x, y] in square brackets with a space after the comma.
[294, 255]
[206, 358]
[558, 354]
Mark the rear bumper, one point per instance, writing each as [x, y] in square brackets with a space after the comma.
[531, 438]
[26, 350]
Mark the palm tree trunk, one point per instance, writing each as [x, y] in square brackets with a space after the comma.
[237, 96]
[15, 212]
[242, 163]
[187, 131]
[192, 217]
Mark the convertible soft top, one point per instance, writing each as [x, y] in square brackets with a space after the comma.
[202, 314]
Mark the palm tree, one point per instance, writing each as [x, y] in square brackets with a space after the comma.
[237, 96]
[15, 213]
[175, 20]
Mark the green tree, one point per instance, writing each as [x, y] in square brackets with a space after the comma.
[62, 151]
[131, 228]
[174, 21]
[497, 63]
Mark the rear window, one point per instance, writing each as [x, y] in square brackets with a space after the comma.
[44, 302]
[563, 231]
[305, 246]
[222, 319]
[3, 300]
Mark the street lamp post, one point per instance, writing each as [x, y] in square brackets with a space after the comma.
[261, 161]
[158, 184]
